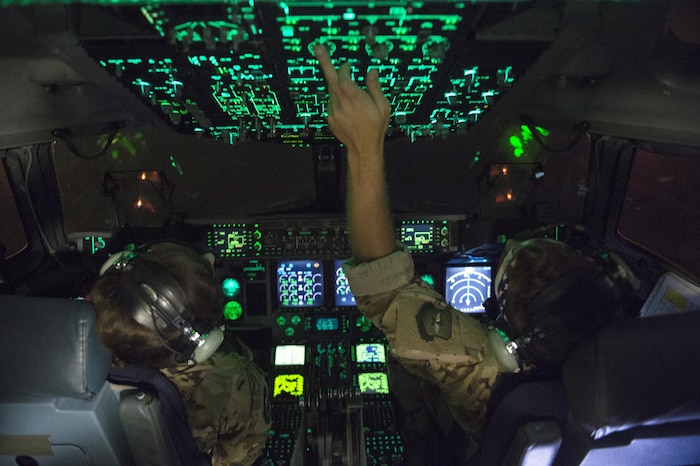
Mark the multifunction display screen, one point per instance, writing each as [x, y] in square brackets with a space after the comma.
[300, 283]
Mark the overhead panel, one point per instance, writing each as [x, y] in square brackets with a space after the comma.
[246, 71]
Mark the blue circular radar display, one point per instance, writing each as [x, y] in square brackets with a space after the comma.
[467, 287]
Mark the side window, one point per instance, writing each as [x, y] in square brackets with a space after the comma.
[12, 234]
[660, 210]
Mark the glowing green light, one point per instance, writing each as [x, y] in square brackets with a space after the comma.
[176, 165]
[429, 279]
[231, 287]
[502, 334]
[284, 8]
[233, 310]
[363, 323]
[515, 141]
[281, 321]
[527, 133]
[519, 141]
[287, 31]
[96, 243]
[146, 14]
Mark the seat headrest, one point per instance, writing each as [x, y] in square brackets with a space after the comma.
[50, 348]
[644, 371]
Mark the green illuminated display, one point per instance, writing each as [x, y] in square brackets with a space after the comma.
[231, 287]
[363, 323]
[233, 310]
[288, 384]
[245, 70]
[96, 243]
[373, 383]
[370, 352]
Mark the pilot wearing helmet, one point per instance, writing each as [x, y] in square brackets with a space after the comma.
[160, 308]
[446, 365]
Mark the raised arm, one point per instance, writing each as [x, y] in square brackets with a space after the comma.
[359, 119]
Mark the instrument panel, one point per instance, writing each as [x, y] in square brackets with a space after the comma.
[327, 237]
[327, 363]
[270, 267]
[287, 297]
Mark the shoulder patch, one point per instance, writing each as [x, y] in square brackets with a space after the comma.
[434, 322]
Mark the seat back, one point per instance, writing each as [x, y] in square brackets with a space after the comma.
[633, 394]
[629, 395]
[149, 438]
[55, 404]
[525, 422]
[157, 399]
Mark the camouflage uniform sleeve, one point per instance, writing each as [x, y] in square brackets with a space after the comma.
[227, 407]
[427, 336]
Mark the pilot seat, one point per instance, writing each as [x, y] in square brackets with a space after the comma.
[57, 406]
[629, 395]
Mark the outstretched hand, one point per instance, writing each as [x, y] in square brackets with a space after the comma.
[358, 118]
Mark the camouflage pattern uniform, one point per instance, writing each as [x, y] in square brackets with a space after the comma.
[430, 339]
[227, 404]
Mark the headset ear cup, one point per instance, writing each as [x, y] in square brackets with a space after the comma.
[505, 357]
[210, 345]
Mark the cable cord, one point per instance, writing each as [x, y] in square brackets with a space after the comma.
[27, 151]
[67, 137]
[191, 362]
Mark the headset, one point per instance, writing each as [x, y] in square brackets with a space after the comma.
[154, 299]
[564, 312]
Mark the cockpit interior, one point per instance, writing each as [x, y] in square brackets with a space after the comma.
[127, 122]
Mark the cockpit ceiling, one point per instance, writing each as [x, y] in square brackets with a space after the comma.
[246, 71]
